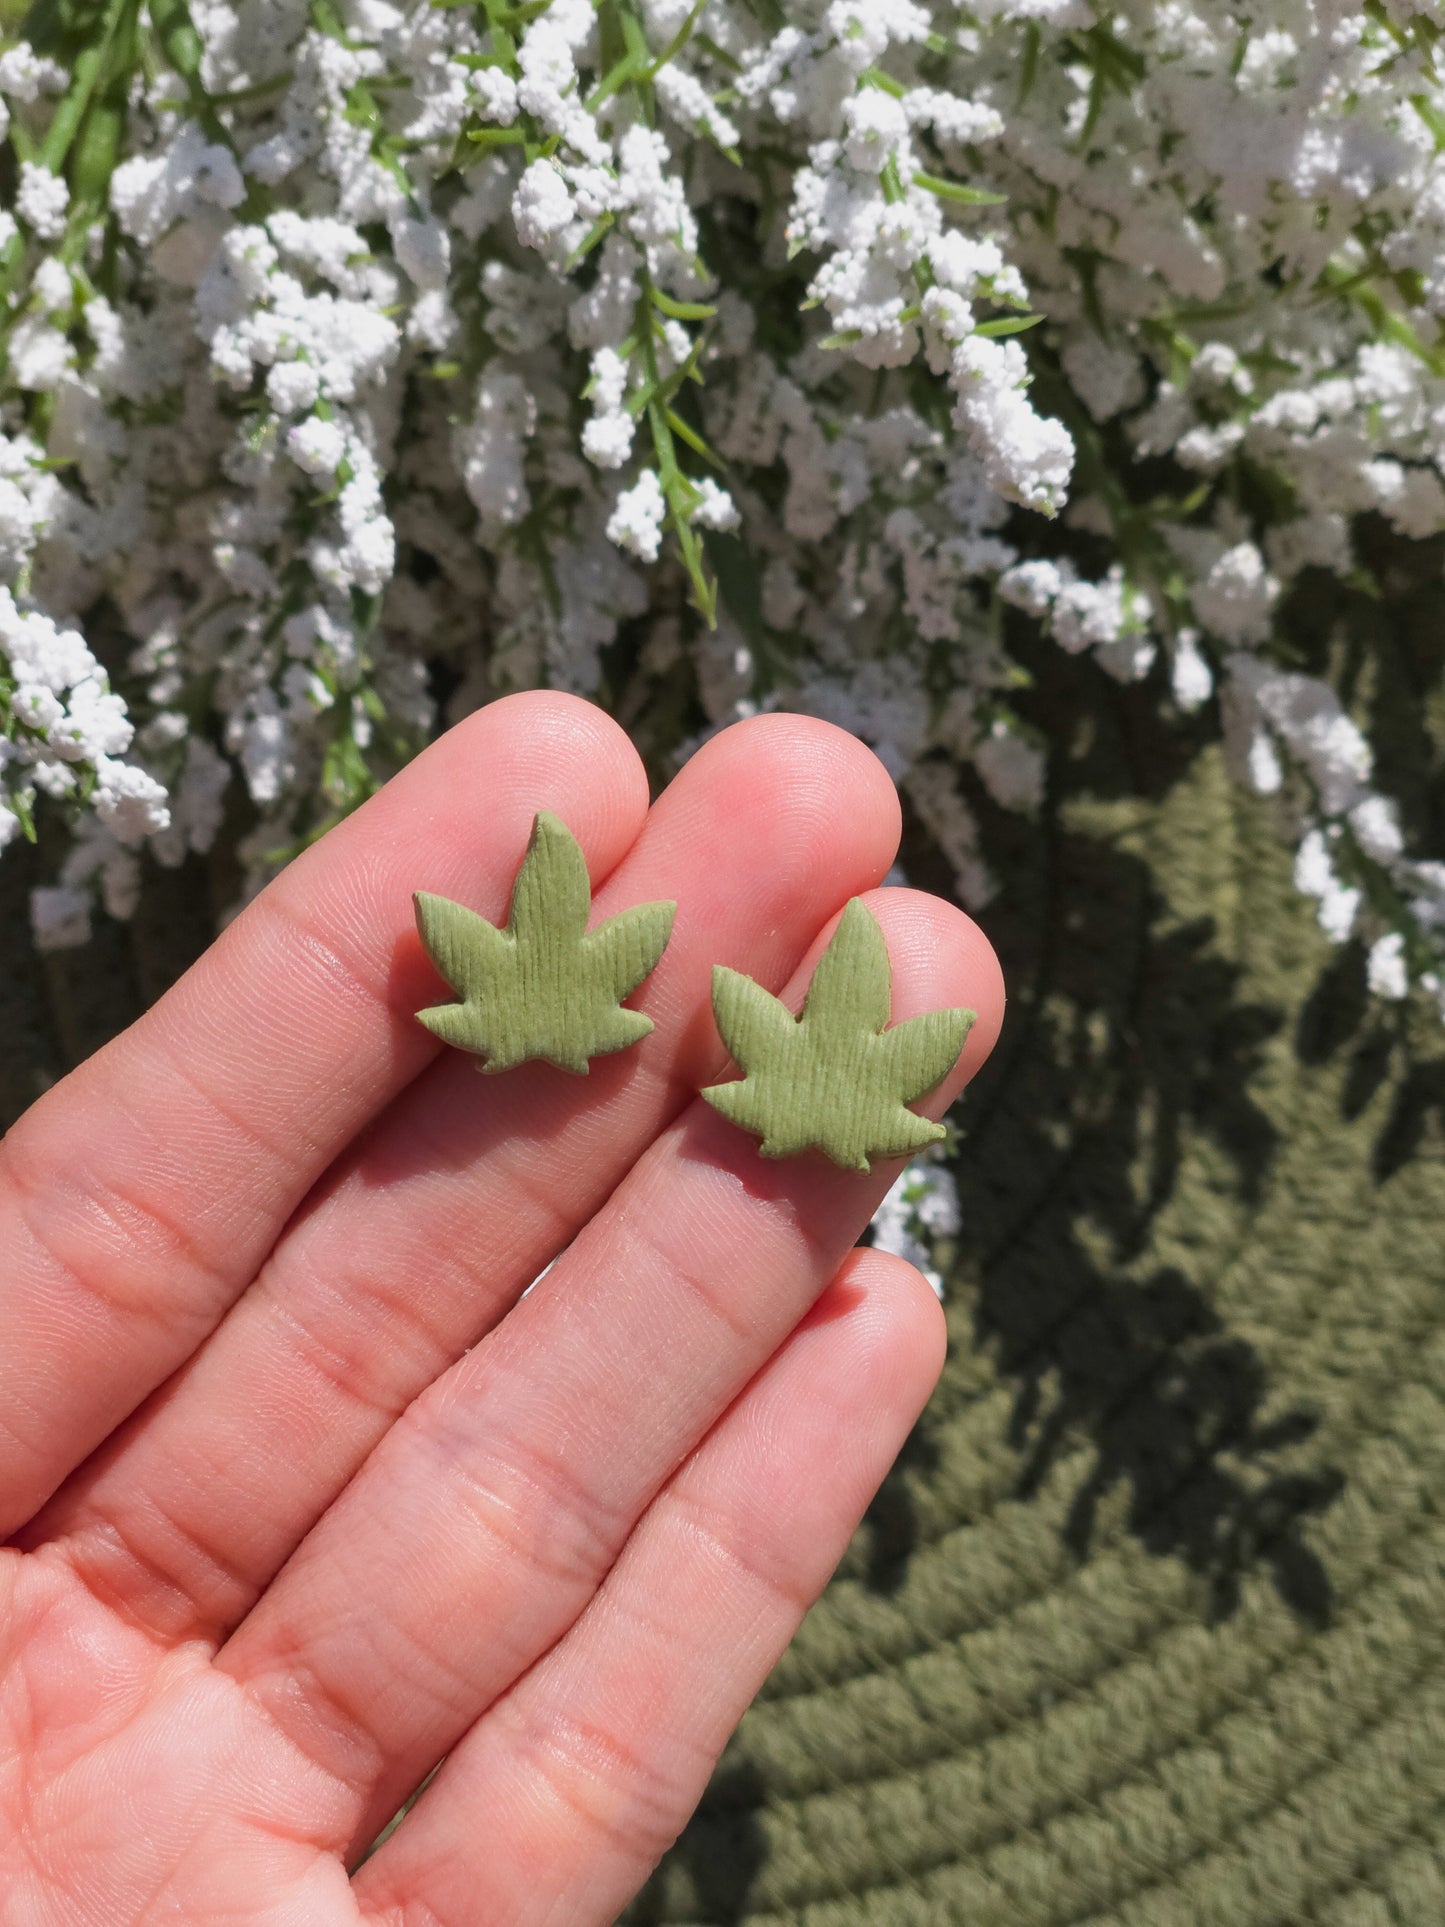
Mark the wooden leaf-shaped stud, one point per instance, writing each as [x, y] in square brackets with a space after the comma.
[546, 986]
[835, 1078]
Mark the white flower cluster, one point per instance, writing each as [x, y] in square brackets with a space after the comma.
[1355, 845]
[67, 732]
[712, 357]
[1107, 617]
[919, 1215]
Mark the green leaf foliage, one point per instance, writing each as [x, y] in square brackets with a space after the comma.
[837, 1078]
[546, 986]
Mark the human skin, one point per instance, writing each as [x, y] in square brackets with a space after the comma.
[303, 1495]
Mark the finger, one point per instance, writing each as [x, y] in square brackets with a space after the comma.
[586, 1771]
[484, 1520]
[438, 1219]
[140, 1196]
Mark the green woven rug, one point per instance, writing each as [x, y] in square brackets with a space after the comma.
[1147, 1627]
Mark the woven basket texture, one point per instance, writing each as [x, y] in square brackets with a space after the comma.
[1146, 1628]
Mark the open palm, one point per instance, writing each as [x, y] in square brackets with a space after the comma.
[304, 1496]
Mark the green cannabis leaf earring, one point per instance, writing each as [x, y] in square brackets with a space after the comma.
[835, 1078]
[546, 986]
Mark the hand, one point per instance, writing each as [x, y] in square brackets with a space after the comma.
[303, 1495]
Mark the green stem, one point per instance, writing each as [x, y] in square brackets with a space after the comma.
[184, 49]
[91, 113]
[676, 486]
[499, 18]
[678, 41]
[85, 76]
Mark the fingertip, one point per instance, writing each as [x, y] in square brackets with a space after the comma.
[560, 733]
[899, 1320]
[539, 710]
[841, 1394]
[810, 793]
[942, 961]
[796, 737]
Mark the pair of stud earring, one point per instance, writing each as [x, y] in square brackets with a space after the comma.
[837, 1079]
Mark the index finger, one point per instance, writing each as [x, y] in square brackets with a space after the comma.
[140, 1197]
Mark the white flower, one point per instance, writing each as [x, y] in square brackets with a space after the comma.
[1236, 598]
[958, 122]
[297, 458]
[607, 439]
[25, 75]
[921, 1207]
[1025, 456]
[876, 123]
[42, 652]
[688, 101]
[656, 204]
[40, 355]
[1012, 769]
[128, 801]
[96, 726]
[197, 804]
[863, 29]
[293, 386]
[423, 249]
[542, 206]
[59, 917]
[933, 791]
[1034, 585]
[1307, 718]
[636, 522]
[317, 446]
[495, 93]
[1376, 824]
[1315, 875]
[549, 73]
[42, 200]
[717, 509]
[1192, 679]
[367, 550]
[492, 447]
[1105, 378]
[150, 193]
[53, 286]
[1385, 967]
